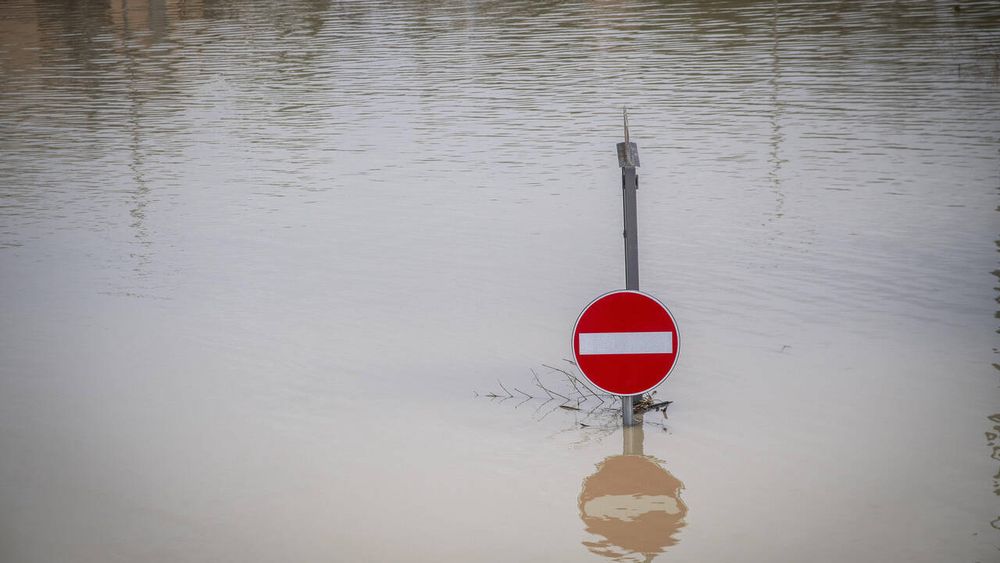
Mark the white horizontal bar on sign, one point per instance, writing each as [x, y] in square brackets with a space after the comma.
[599, 343]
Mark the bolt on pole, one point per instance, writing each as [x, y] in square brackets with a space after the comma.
[628, 160]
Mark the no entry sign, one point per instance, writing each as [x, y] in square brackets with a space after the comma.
[625, 342]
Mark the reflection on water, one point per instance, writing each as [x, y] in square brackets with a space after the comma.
[632, 503]
[993, 433]
[776, 137]
[993, 441]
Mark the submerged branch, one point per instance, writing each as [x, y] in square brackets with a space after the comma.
[509, 394]
[541, 386]
[592, 415]
[547, 390]
[577, 380]
[523, 393]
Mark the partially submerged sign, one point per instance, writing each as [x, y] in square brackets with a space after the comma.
[625, 342]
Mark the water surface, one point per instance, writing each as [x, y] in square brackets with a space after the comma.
[261, 263]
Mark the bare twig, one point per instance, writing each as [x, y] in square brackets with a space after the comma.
[590, 413]
[577, 380]
[547, 401]
[587, 387]
[550, 411]
[523, 393]
[557, 369]
[547, 390]
[572, 381]
[509, 394]
[540, 385]
[522, 402]
[663, 404]
[567, 399]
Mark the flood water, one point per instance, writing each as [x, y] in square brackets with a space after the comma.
[263, 264]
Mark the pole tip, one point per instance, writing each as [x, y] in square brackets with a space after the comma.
[628, 153]
[625, 121]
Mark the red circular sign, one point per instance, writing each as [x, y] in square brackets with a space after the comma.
[625, 342]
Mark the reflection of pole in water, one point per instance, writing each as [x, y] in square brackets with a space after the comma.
[993, 433]
[144, 15]
[147, 17]
[632, 438]
[776, 135]
[140, 197]
[632, 503]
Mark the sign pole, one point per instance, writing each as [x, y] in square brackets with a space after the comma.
[628, 160]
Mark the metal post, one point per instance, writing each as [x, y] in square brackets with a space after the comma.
[628, 414]
[628, 160]
[629, 187]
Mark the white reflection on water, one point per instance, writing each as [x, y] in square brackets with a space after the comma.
[256, 256]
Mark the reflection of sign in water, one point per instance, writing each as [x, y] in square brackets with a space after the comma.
[634, 505]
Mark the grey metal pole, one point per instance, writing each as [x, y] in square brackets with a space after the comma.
[629, 186]
[628, 414]
[628, 160]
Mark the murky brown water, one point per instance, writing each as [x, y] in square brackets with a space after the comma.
[257, 260]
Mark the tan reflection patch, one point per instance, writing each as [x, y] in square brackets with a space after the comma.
[629, 507]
